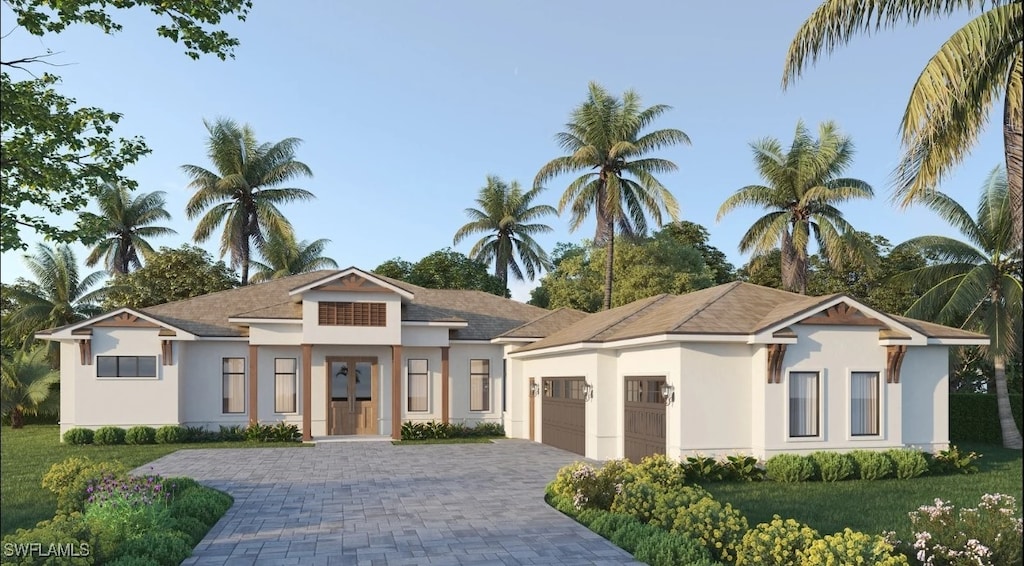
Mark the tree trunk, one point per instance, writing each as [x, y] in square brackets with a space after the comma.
[1013, 132]
[609, 262]
[501, 270]
[1011, 436]
[245, 262]
[794, 267]
[17, 418]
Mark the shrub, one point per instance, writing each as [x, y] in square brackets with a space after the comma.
[109, 436]
[167, 548]
[140, 435]
[953, 461]
[832, 466]
[720, 528]
[79, 436]
[871, 464]
[629, 535]
[67, 531]
[740, 467]
[132, 560]
[192, 527]
[200, 434]
[119, 509]
[909, 463]
[651, 503]
[284, 432]
[608, 523]
[775, 543]
[657, 469]
[201, 503]
[69, 480]
[665, 549]
[490, 430]
[974, 417]
[703, 469]
[170, 434]
[789, 468]
[231, 433]
[988, 534]
[587, 487]
[849, 547]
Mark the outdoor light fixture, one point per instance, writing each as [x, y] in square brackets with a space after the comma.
[668, 393]
[588, 391]
[534, 389]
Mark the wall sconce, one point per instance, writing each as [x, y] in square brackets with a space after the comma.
[668, 393]
[534, 389]
[588, 391]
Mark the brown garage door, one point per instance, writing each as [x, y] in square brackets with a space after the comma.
[644, 424]
[563, 414]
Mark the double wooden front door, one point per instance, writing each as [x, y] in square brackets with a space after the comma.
[352, 384]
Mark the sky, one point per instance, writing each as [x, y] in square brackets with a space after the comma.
[404, 108]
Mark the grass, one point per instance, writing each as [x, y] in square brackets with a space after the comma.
[873, 506]
[470, 440]
[26, 454]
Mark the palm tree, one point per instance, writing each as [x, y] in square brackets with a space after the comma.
[26, 384]
[238, 194]
[284, 256]
[127, 222]
[605, 138]
[951, 100]
[975, 284]
[504, 215]
[802, 191]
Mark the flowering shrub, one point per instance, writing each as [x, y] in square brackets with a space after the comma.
[833, 466]
[871, 464]
[988, 534]
[658, 469]
[719, 527]
[69, 480]
[909, 463]
[789, 468]
[588, 487]
[120, 509]
[850, 547]
[775, 543]
[952, 460]
[653, 503]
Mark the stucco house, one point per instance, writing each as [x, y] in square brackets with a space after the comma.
[734, 368]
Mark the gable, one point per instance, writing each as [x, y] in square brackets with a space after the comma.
[352, 283]
[842, 314]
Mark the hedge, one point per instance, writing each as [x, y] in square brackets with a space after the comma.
[974, 417]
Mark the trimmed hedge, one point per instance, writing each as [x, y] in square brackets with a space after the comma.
[974, 417]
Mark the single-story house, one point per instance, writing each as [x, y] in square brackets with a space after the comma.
[730, 369]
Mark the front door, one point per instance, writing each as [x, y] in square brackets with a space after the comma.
[351, 384]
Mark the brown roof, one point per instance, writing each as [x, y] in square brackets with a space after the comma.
[735, 308]
[546, 324]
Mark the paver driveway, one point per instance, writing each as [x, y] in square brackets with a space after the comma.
[379, 504]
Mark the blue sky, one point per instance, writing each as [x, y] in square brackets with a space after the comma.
[405, 107]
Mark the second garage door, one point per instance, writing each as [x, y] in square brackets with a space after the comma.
[563, 414]
[644, 426]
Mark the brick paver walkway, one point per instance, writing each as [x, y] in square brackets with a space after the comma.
[378, 504]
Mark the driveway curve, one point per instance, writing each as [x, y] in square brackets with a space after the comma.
[375, 503]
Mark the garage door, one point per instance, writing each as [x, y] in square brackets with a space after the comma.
[563, 414]
[644, 425]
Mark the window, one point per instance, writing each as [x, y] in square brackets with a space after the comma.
[125, 366]
[864, 403]
[233, 374]
[419, 381]
[803, 403]
[479, 385]
[285, 385]
[353, 314]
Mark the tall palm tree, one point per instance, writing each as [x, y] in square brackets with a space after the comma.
[951, 100]
[801, 192]
[26, 386]
[284, 256]
[975, 283]
[504, 217]
[127, 222]
[238, 193]
[605, 137]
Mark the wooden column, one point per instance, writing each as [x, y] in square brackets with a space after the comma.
[254, 396]
[307, 392]
[444, 384]
[533, 407]
[396, 392]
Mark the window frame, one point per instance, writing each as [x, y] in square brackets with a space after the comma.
[816, 404]
[409, 374]
[294, 374]
[223, 383]
[879, 405]
[117, 365]
[485, 406]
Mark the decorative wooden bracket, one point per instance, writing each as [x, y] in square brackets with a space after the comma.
[85, 352]
[842, 314]
[893, 362]
[167, 349]
[776, 352]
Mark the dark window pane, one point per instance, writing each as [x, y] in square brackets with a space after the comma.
[106, 366]
[147, 366]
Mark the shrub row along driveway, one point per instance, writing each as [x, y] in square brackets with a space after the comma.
[379, 504]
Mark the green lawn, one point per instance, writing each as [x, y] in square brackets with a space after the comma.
[872, 506]
[26, 454]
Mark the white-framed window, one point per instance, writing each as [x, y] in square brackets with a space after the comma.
[286, 385]
[804, 403]
[865, 403]
[419, 386]
[125, 366]
[480, 385]
[233, 385]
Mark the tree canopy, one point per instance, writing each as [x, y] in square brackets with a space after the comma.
[170, 275]
[444, 269]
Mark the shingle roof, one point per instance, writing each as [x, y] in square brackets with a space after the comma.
[546, 324]
[933, 330]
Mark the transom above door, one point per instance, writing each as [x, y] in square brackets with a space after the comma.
[352, 383]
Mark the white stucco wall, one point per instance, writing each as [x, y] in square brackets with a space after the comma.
[313, 333]
[69, 358]
[924, 379]
[275, 334]
[459, 356]
[202, 381]
[713, 398]
[433, 357]
[428, 336]
[517, 409]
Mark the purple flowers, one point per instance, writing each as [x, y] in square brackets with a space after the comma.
[132, 491]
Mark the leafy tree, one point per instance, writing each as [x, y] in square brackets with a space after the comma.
[170, 275]
[696, 236]
[444, 269]
[975, 284]
[504, 217]
[605, 137]
[26, 386]
[951, 100]
[56, 155]
[764, 270]
[285, 256]
[127, 222]
[802, 191]
[238, 193]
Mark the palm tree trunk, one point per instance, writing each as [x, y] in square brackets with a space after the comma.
[17, 418]
[609, 262]
[792, 266]
[1013, 132]
[501, 270]
[1011, 436]
[245, 262]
